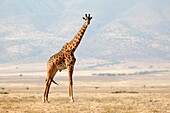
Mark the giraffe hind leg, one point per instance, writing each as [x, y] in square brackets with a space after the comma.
[47, 92]
[49, 79]
[48, 84]
[46, 88]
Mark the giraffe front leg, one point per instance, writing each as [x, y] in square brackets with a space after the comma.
[70, 80]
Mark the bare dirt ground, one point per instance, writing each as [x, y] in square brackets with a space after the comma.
[149, 93]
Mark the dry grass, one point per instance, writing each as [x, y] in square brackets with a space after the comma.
[93, 94]
[86, 103]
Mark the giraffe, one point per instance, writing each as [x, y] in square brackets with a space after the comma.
[65, 59]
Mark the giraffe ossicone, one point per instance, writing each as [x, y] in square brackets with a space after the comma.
[65, 59]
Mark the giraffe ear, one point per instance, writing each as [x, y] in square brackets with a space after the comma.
[84, 18]
[91, 18]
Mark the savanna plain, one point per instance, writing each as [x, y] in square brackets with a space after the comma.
[125, 88]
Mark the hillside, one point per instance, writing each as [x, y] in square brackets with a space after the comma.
[32, 31]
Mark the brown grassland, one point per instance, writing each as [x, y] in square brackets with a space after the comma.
[147, 93]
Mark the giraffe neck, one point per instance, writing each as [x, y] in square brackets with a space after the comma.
[73, 44]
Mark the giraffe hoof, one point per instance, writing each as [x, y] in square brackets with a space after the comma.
[48, 101]
[72, 100]
[45, 101]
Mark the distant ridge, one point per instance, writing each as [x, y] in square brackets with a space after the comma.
[31, 31]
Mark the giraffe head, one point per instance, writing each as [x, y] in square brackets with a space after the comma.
[87, 19]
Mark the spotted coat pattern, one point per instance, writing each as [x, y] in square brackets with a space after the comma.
[65, 59]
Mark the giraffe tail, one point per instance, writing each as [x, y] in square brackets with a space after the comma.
[54, 81]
